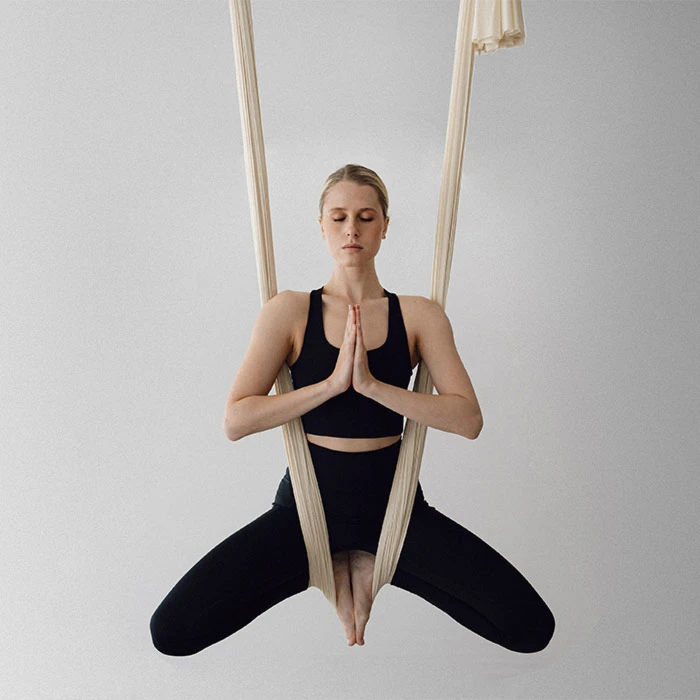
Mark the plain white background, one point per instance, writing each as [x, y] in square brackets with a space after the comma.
[128, 292]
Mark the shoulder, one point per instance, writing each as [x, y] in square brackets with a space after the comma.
[280, 311]
[421, 308]
[288, 308]
[424, 316]
[286, 300]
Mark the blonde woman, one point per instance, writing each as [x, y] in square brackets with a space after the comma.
[351, 346]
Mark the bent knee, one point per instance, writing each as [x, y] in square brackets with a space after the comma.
[533, 636]
[167, 639]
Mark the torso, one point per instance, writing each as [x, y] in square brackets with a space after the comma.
[374, 314]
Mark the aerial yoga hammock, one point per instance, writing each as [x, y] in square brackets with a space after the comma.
[483, 26]
[481, 589]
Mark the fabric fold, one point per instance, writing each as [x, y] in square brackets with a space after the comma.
[498, 24]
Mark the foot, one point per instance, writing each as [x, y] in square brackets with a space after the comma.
[361, 575]
[343, 594]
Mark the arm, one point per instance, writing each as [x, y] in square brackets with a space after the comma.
[249, 409]
[451, 413]
[455, 409]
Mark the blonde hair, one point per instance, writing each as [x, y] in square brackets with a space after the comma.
[360, 175]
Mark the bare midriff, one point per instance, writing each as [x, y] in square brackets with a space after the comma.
[352, 444]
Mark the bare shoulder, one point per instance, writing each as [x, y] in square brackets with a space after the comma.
[286, 308]
[291, 296]
[426, 323]
[421, 300]
[286, 301]
[419, 308]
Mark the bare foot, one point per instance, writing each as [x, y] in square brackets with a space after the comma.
[343, 594]
[361, 573]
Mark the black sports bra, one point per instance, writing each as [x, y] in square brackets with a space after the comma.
[352, 415]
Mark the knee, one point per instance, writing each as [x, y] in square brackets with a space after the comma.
[533, 634]
[166, 637]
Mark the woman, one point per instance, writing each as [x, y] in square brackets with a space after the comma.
[351, 347]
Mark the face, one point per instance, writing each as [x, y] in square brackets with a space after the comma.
[352, 214]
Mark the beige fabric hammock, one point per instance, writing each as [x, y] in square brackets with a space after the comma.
[483, 26]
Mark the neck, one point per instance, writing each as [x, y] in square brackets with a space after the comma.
[354, 285]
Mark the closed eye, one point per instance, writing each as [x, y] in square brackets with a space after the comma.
[361, 219]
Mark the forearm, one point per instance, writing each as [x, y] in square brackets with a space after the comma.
[448, 412]
[254, 414]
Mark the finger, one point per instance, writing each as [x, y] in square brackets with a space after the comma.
[353, 325]
[350, 332]
[358, 346]
[358, 325]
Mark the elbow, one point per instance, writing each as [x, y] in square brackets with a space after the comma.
[232, 429]
[475, 426]
[231, 435]
[229, 432]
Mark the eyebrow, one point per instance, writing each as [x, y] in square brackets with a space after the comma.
[363, 209]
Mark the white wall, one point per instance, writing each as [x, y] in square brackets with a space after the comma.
[128, 292]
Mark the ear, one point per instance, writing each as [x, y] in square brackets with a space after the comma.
[321, 226]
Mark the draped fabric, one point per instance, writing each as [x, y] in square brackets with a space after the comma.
[483, 27]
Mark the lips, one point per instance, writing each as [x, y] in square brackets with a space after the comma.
[359, 247]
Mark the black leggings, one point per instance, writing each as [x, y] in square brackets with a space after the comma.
[265, 562]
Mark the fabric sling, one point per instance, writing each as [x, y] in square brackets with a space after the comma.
[483, 27]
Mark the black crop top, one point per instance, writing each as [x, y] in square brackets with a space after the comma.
[352, 415]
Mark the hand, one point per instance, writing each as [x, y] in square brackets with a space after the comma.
[352, 367]
[362, 378]
[341, 379]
